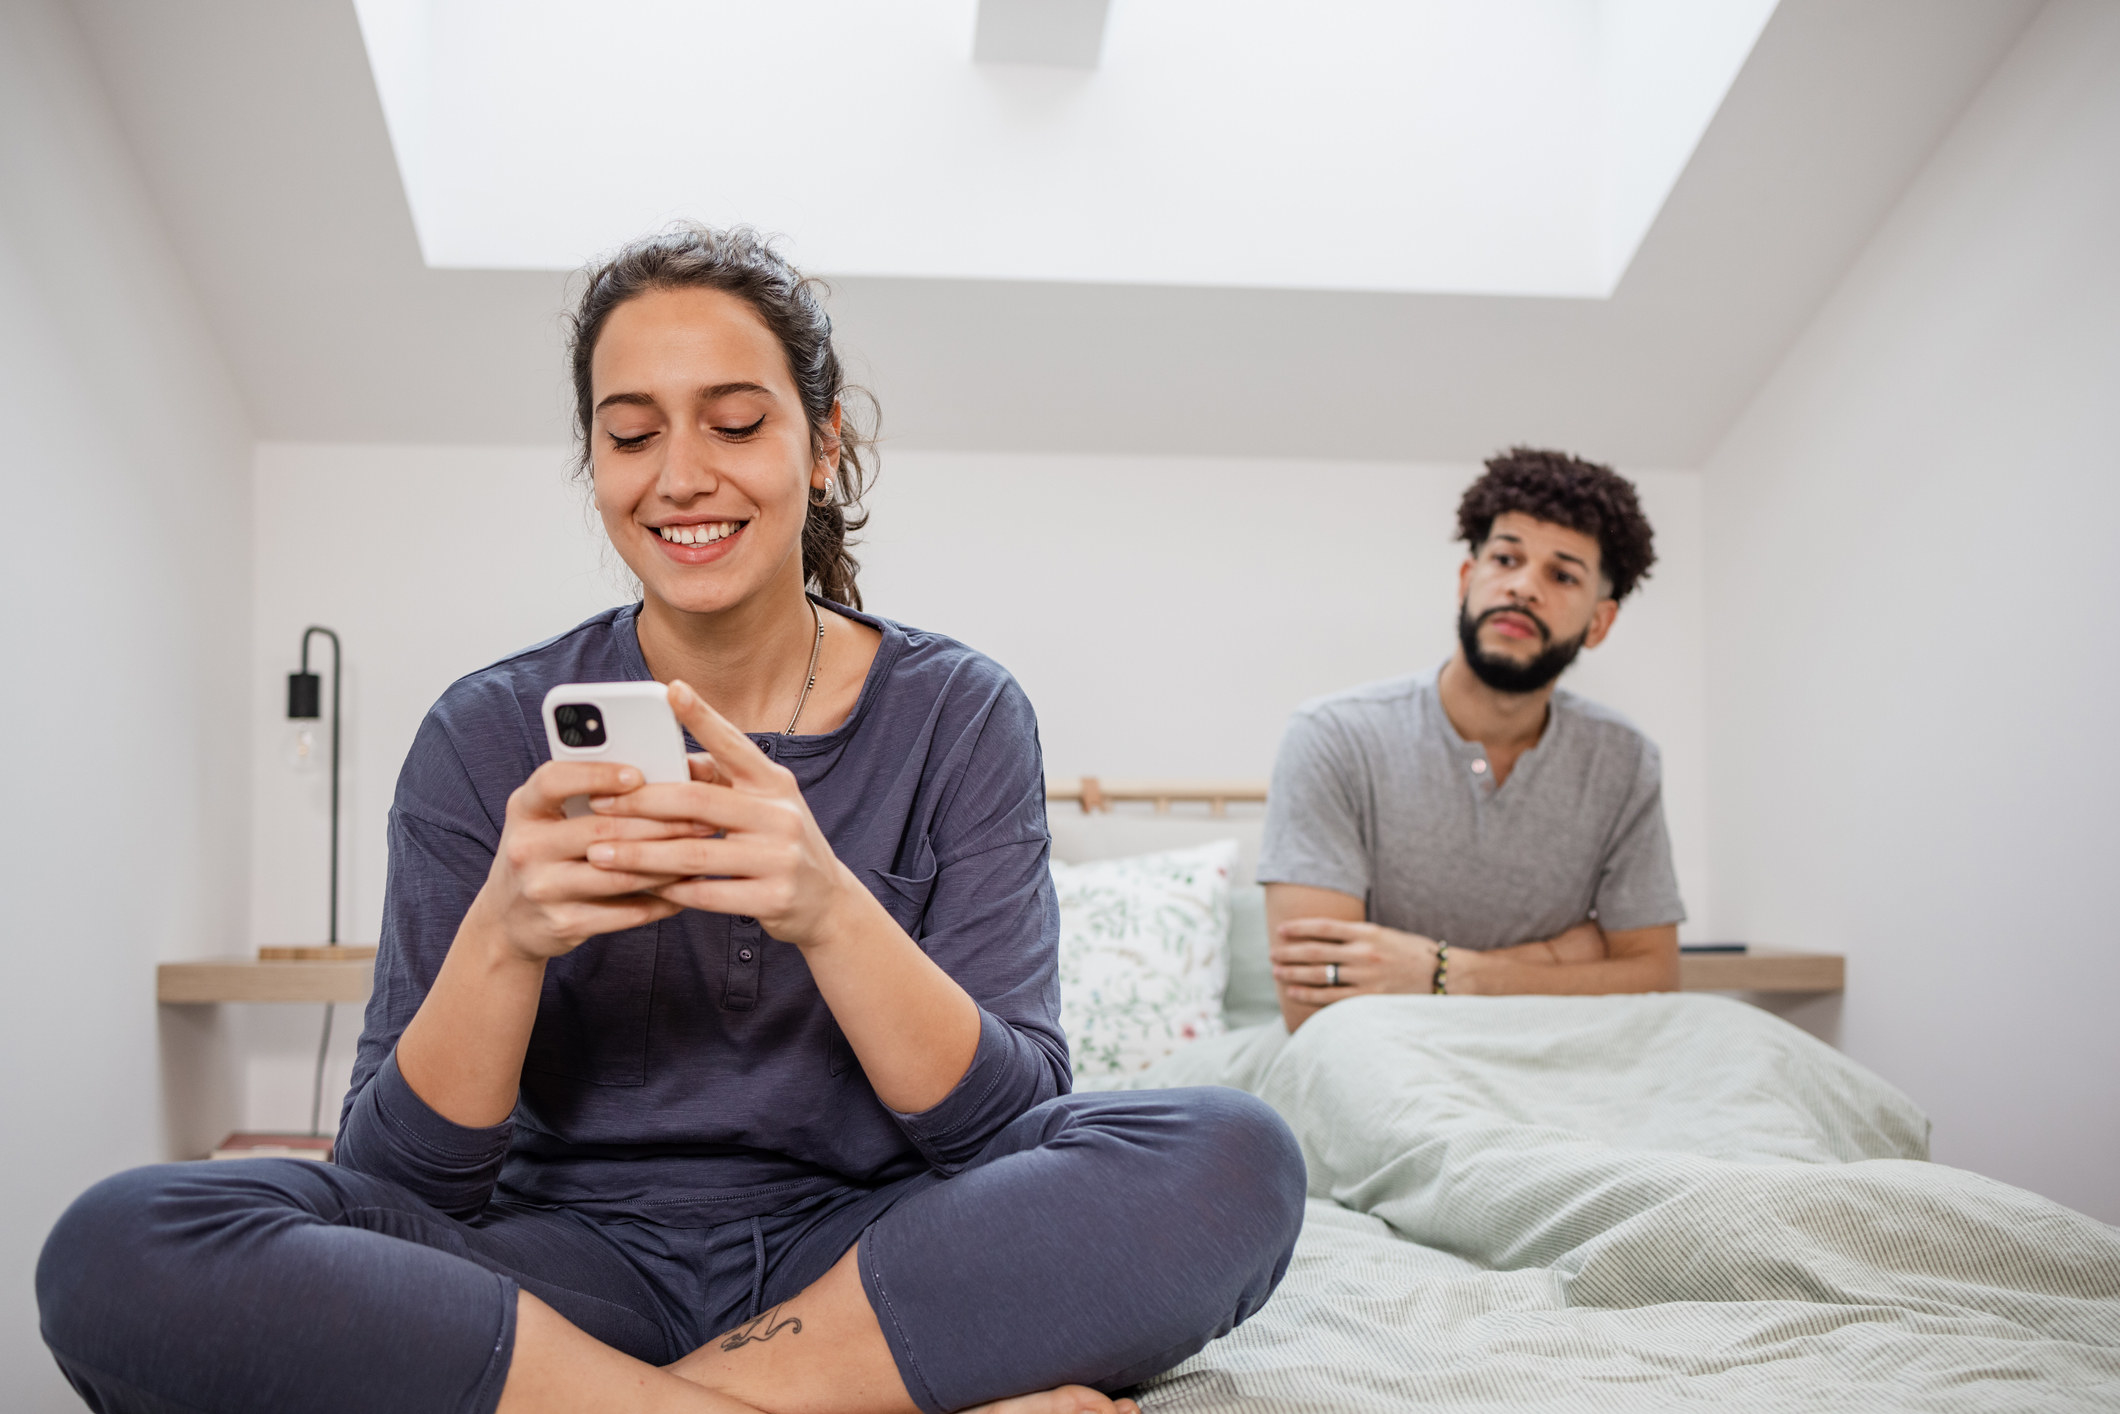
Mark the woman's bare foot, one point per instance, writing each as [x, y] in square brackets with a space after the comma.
[1068, 1399]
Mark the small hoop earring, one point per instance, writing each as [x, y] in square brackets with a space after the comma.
[822, 496]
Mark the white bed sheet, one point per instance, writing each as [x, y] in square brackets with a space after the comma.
[1637, 1203]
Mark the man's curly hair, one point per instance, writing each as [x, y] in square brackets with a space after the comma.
[1582, 495]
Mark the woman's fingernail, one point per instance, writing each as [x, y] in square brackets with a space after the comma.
[602, 802]
[601, 854]
[628, 777]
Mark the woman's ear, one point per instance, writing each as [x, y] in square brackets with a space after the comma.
[828, 453]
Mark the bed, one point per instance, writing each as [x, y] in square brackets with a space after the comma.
[1619, 1203]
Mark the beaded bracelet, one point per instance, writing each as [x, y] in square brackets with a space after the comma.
[1442, 967]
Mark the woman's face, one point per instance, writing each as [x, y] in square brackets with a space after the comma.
[700, 450]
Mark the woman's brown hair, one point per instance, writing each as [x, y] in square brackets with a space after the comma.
[740, 262]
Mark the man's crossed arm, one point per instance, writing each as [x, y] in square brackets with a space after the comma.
[1313, 931]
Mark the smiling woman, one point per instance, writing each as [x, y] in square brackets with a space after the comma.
[787, 329]
[742, 1091]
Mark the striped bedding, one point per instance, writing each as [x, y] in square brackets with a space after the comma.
[1637, 1203]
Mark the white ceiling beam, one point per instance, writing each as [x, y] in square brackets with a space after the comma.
[1066, 34]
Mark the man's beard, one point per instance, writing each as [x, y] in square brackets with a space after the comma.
[1506, 674]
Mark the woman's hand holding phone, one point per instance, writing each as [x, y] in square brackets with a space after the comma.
[758, 852]
[543, 896]
[463, 1050]
[737, 838]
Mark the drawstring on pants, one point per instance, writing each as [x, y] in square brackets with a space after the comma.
[758, 1267]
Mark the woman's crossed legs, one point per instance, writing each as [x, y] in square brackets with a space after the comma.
[1098, 1240]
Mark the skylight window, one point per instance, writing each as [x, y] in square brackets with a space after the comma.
[1502, 147]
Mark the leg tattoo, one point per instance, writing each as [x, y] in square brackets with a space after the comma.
[761, 1328]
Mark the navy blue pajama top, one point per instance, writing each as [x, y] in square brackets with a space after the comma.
[689, 1072]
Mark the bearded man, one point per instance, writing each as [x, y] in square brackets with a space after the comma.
[1475, 829]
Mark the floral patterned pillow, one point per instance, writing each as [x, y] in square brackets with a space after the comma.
[1144, 957]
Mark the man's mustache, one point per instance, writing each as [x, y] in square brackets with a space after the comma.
[1545, 635]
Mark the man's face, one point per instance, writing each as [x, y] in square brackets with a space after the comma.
[1529, 599]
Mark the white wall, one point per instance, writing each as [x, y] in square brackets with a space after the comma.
[124, 563]
[1163, 614]
[1912, 669]
[430, 563]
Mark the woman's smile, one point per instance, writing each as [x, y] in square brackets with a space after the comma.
[700, 542]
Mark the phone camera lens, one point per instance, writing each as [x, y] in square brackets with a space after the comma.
[580, 724]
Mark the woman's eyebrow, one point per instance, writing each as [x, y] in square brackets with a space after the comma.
[717, 390]
[722, 390]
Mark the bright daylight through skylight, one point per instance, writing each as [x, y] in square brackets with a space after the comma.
[1504, 147]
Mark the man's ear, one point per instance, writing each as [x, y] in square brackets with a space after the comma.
[1601, 619]
[1464, 580]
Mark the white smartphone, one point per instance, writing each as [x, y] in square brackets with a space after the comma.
[629, 723]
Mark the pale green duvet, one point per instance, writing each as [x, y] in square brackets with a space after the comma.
[1637, 1203]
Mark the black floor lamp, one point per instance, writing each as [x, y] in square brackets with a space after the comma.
[304, 699]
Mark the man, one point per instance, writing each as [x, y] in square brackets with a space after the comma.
[1474, 830]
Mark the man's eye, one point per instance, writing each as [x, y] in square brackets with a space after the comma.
[739, 432]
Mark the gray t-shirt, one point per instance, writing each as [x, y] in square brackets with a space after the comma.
[1376, 795]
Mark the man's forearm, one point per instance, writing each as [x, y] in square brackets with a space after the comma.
[1505, 976]
[1643, 960]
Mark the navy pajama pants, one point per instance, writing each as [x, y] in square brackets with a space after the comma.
[1099, 1239]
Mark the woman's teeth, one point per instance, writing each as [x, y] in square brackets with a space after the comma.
[699, 534]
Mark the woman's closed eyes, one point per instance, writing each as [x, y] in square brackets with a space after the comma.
[635, 443]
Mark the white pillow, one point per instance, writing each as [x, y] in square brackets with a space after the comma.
[1144, 957]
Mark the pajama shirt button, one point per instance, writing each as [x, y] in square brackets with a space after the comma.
[1479, 768]
[744, 956]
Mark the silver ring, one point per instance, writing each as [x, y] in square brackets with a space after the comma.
[1332, 974]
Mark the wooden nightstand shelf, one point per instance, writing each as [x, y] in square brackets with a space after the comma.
[1762, 970]
[243, 979]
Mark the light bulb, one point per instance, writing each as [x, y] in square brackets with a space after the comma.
[302, 748]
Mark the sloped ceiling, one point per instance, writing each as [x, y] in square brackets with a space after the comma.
[257, 126]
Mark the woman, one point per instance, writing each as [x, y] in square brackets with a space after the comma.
[744, 1092]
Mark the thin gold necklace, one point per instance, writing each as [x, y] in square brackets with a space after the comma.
[816, 647]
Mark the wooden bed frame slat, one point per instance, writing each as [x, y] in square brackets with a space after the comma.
[1095, 794]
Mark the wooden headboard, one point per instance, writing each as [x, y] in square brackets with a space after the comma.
[1094, 794]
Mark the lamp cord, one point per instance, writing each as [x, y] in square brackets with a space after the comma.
[331, 933]
[331, 930]
[316, 1102]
